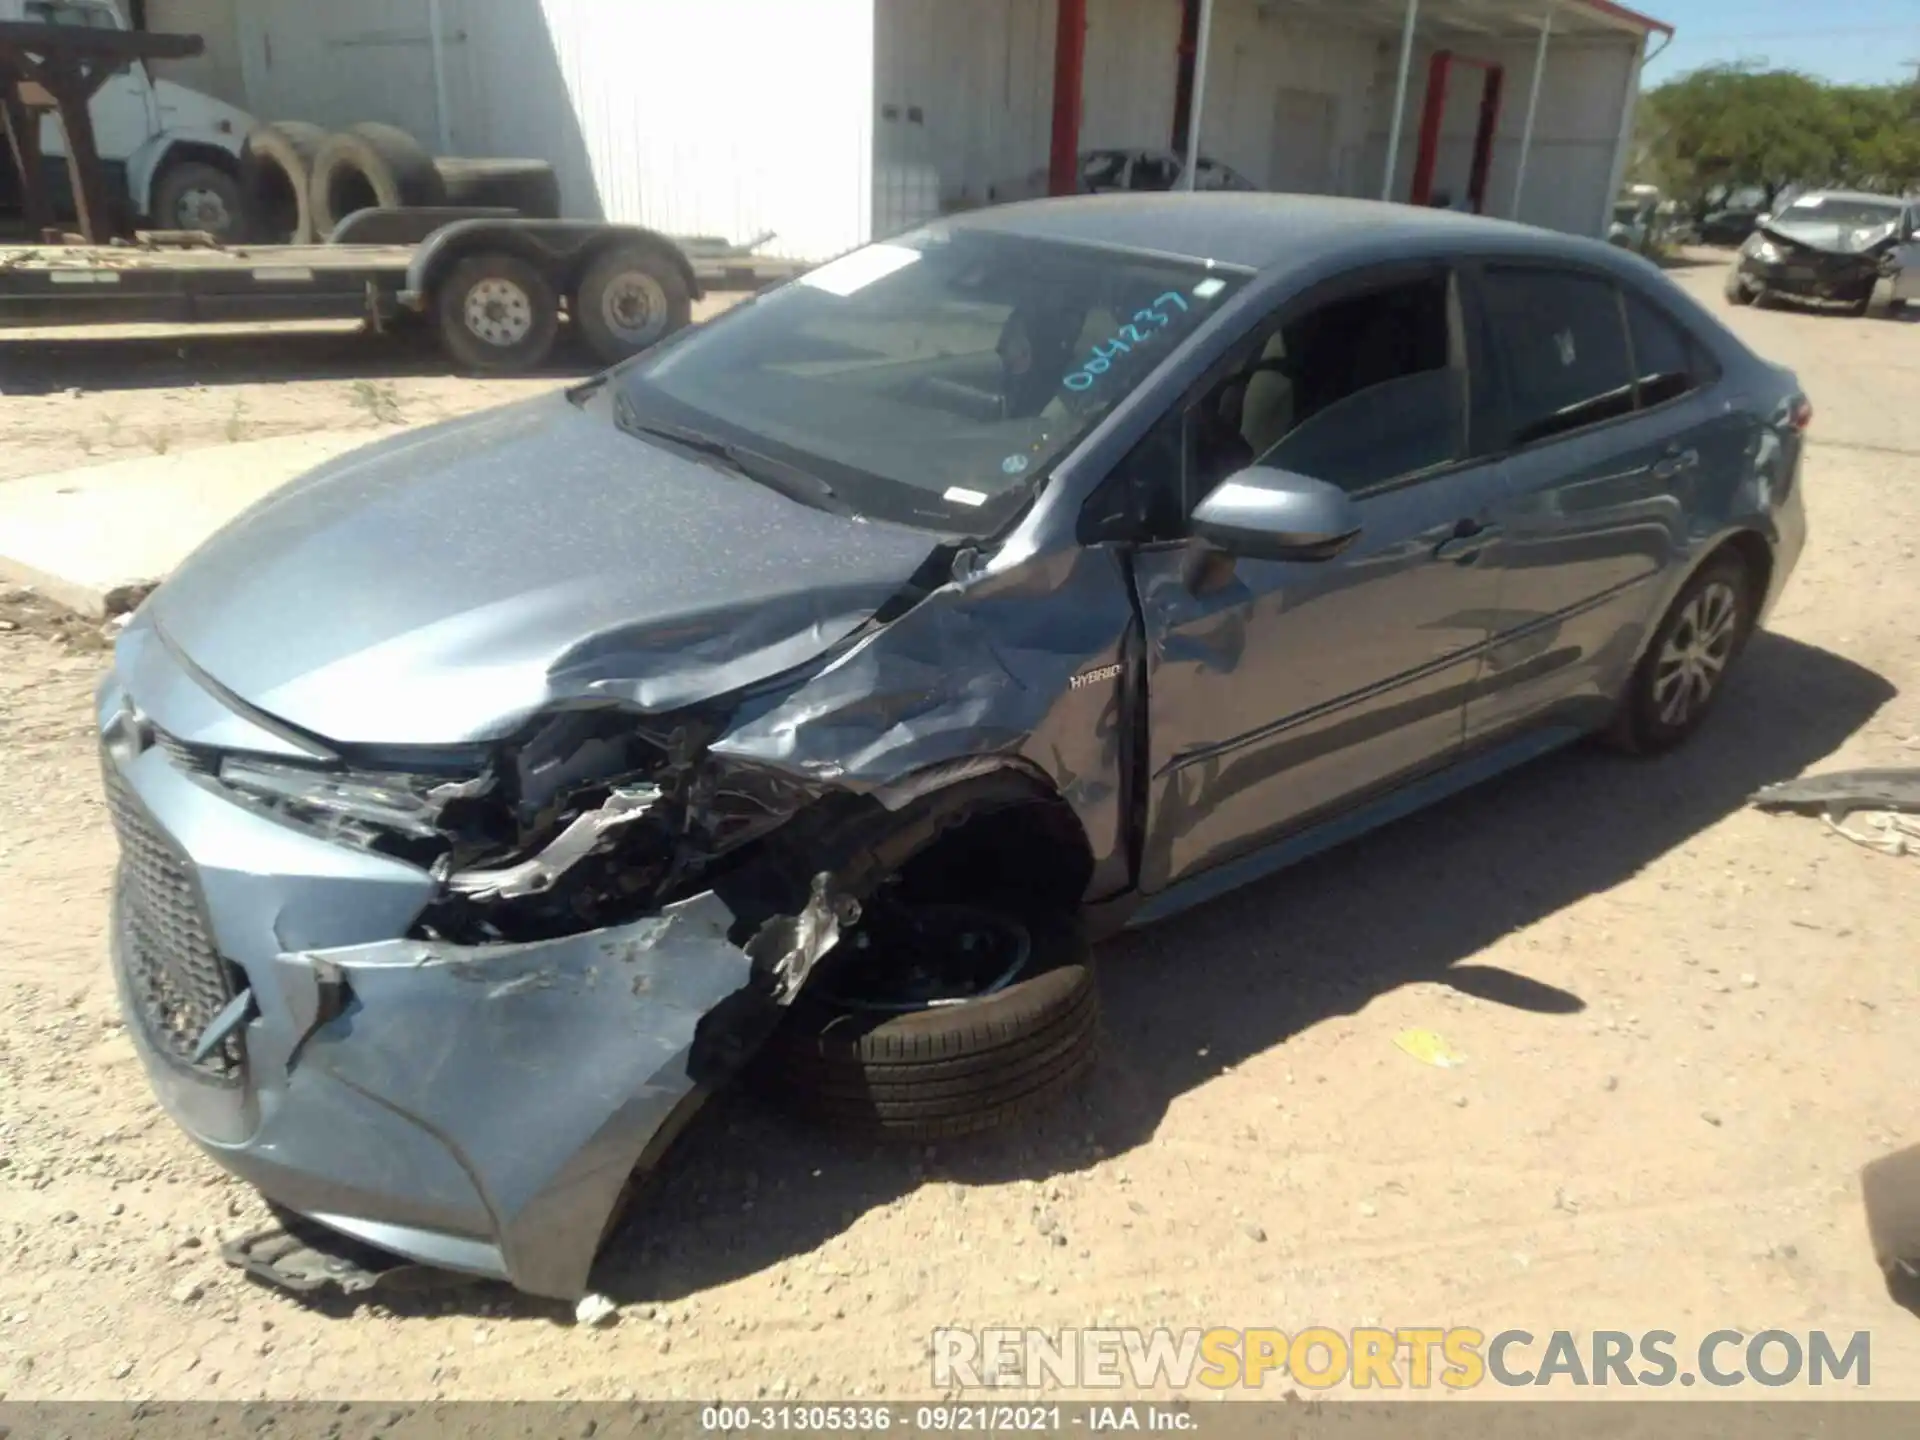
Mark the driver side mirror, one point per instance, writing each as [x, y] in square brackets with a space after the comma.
[1267, 514]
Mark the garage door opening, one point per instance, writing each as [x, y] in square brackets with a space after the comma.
[1431, 184]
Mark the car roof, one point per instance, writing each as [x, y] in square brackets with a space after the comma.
[1846, 195]
[1265, 231]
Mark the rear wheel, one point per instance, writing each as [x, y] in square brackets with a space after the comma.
[497, 313]
[1684, 670]
[629, 298]
[937, 1020]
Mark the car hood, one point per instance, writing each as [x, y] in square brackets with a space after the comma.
[441, 586]
[1831, 236]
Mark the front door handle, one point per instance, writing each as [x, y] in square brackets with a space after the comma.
[1677, 462]
[1470, 537]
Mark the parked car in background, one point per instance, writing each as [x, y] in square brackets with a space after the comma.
[1104, 171]
[1637, 223]
[173, 153]
[1833, 246]
[1728, 227]
[818, 682]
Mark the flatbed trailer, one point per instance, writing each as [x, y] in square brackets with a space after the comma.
[493, 283]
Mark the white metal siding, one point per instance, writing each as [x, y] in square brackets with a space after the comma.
[965, 90]
[216, 70]
[1265, 68]
[348, 61]
[1132, 72]
[728, 118]
[1570, 160]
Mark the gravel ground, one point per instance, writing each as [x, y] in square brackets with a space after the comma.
[1685, 1026]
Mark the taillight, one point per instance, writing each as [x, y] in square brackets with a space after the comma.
[1800, 415]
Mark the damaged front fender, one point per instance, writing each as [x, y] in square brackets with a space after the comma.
[545, 1072]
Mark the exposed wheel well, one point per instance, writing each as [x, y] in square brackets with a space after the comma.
[1036, 849]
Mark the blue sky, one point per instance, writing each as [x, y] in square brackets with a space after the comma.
[1853, 41]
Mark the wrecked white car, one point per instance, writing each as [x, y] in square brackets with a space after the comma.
[809, 689]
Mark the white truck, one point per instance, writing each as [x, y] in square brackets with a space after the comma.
[171, 152]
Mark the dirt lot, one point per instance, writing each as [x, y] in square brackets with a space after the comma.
[1686, 1025]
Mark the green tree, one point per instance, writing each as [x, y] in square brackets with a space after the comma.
[1727, 126]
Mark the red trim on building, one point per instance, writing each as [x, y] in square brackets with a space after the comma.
[1630, 17]
[1069, 71]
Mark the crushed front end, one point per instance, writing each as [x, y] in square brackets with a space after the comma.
[442, 1003]
[1826, 264]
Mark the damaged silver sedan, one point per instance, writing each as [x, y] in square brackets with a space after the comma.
[801, 697]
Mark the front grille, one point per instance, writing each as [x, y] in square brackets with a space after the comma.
[178, 981]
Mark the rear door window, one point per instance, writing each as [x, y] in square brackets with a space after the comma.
[1667, 361]
[1562, 340]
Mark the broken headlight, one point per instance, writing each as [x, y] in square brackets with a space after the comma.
[1767, 253]
[360, 808]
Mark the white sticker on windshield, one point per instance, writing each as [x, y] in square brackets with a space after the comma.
[1209, 287]
[1014, 464]
[957, 496]
[859, 269]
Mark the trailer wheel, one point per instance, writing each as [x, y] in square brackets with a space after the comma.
[276, 173]
[497, 312]
[630, 297]
[193, 195]
[368, 165]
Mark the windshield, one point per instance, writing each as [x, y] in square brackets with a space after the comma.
[1842, 212]
[933, 380]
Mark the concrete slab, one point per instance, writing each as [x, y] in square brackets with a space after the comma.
[97, 539]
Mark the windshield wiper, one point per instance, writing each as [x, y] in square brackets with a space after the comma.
[802, 486]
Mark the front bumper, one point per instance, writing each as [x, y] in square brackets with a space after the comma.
[1814, 277]
[475, 1108]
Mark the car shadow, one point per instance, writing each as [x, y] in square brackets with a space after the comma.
[1191, 997]
[1412, 903]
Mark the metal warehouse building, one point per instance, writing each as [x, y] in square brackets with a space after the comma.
[828, 122]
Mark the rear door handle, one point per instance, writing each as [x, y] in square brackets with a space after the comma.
[1677, 462]
[1470, 537]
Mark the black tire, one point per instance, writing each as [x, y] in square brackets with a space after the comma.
[630, 297]
[1642, 725]
[194, 195]
[1736, 289]
[519, 336]
[529, 186]
[367, 165]
[276, 176]
[936, 1073]
[1896, 307]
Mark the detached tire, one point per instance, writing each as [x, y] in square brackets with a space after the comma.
[497, 313]
[1736, 289]
[276, 174]
[1701, 635]
[629, 298]
[193, 195]
[948, 1070]
[370, 165]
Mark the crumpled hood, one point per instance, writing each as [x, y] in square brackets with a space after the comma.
[1830, 235]
[441, 586]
